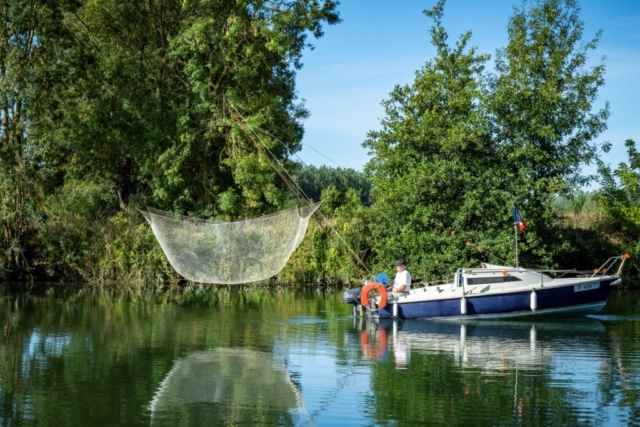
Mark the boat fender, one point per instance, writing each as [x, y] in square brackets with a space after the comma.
[463, 306]
[364, 296]
[534, 300]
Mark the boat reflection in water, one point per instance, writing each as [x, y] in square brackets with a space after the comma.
[542, 372]
[227, 385]
[490, 346]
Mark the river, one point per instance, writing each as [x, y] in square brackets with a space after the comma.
[226, 356]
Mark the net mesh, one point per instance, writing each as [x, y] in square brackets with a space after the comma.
[207, 251]
[229, 376]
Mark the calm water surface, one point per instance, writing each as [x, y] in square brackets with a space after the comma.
[264, 357]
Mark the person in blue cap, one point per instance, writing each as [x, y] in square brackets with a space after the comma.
[402, 281]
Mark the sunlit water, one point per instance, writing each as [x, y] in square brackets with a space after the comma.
[264, 357]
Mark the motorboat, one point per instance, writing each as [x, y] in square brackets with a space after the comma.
[492, 291]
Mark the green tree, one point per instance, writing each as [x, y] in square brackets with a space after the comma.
[542, 101]
[437, 186]
[581, 202]
[313, 180]
[460, 145]
[619, 198]
[163, 103]
[23, 24]
[145, 95]
[239, 63]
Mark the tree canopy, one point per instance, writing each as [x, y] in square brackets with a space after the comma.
[461, 144]
[313, 180]
[619, 198]
[107, 105]
[144, 95]
[187, 105]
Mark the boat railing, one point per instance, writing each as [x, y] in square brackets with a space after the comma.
[505, 272]
[605, 268]
[548, 272]
[610, 263]
[456, 278]
[439, 281]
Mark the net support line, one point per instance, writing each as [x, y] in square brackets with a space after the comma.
[262, 150]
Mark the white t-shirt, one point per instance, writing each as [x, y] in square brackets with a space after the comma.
[402, 278]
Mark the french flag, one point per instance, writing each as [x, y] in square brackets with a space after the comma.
[517, 218]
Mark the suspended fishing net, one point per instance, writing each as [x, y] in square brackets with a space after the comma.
[229, 252]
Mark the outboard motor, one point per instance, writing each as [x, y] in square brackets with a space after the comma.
[352, 296]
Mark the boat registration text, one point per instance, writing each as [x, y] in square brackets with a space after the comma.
[586, 286]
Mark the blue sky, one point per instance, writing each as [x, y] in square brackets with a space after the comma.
[382, 43]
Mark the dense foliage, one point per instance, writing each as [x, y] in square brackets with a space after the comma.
[313, 180]
[434, 159]
[619, 199]
[542, 102]
[108, 106]
[460, 145]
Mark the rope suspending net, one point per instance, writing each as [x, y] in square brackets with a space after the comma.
[206, 251]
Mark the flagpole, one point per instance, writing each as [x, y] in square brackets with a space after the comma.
[515, 231]
[518, 223]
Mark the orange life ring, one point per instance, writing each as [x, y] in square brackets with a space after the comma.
[364, 295]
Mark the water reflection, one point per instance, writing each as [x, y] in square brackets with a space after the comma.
[294, 358]
[551, 372]
[491, 346]
[236, 385]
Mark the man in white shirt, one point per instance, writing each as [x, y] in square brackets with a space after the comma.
[402, 282]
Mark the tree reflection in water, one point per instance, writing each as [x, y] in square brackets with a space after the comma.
[230, 356]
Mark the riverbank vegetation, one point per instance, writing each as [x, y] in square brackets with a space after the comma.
[107, 107]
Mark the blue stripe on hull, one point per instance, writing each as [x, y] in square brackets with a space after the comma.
[551, 299]
[566, 297]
